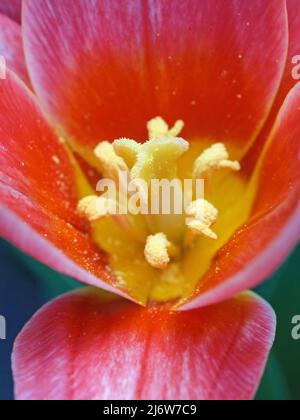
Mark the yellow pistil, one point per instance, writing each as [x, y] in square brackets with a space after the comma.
[157, 159]
[159, 250]
[128, 150]
[201, 216]
[215, 157]
[158, 128]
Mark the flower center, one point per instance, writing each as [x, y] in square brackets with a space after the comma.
[159, 237]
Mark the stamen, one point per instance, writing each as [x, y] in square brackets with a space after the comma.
[158, 128]
[159, 250]
[202, 215]
[95, 208]
[214, 157]
[111, 163]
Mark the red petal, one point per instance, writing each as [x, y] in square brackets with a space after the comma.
[288, 81]
[38, 191]
[11, 47]
[84, 347]
[11, 8]
[215, 64]
[260, 246]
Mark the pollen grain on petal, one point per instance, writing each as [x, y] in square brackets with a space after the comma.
[215, 157]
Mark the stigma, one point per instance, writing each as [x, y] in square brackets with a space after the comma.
[158, 128]
[166, 237]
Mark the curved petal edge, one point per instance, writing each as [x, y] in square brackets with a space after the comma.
[86, 346]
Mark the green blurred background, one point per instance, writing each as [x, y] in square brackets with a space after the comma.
[25, 285]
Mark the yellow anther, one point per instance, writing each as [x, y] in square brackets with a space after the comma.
[128, 150]
[111, 163]
[214, 157]
[201, 216]
[158, 128]
[94, 208]
[159, 250]
[157, 158]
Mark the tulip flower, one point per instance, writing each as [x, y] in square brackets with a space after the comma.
[166, 314]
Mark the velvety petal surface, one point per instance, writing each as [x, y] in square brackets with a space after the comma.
[39, 193]
[11, 47]
[11, 8]
[82, 346]
[262, 244]
[215, 64]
